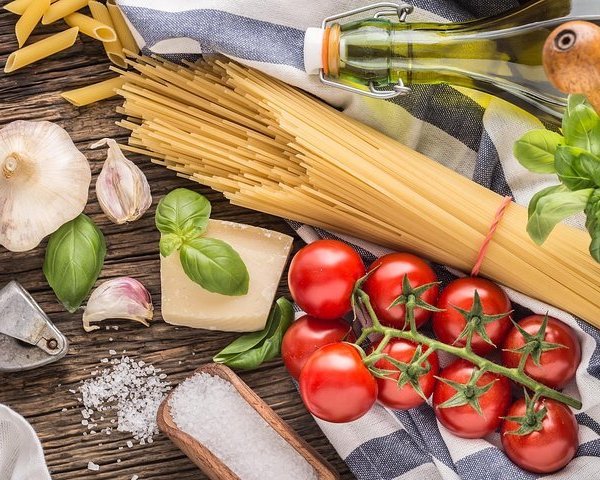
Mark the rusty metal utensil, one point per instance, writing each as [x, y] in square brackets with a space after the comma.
[572, 59]
[28, 339]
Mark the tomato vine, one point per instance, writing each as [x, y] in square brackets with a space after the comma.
[411, 299]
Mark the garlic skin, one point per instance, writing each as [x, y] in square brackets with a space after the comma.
[44, 182]
[122, 297]
[122, 188]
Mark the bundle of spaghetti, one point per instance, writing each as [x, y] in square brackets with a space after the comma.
[273, 148]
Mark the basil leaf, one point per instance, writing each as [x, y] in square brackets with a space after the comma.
[74, 259]
[169, 242]
[577, 168]
[183, 212]
[552, 208]
[535, 150]
[581, 128]
[215, 266]
[542, 193]
[245, 342]
[280, 319]
[592, 223]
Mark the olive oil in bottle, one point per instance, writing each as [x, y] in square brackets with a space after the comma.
[501, 55]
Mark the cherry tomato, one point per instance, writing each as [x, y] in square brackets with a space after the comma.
[548, 449]
[464, 421]
[557, 366]
[384, 285]
[306, 335]
[405, 397]
[322, 277]
[335, 385]
[449, 324]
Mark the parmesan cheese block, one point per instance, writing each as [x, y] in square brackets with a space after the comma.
[186, 303]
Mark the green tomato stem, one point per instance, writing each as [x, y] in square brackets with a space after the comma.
[461, 352]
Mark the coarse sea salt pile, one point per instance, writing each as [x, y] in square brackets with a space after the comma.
[130, 389]
[211, 410]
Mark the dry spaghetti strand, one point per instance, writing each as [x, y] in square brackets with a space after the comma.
[272, 148]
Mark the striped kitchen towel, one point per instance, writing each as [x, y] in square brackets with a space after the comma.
[471, 133]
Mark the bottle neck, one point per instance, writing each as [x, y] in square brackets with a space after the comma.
[500, 55]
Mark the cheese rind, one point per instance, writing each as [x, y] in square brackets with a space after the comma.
[186, 303]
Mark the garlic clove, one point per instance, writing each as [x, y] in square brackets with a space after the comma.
[123, 298]
[122, 188]
[44, 182]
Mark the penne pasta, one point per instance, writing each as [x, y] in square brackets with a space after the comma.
[91, 27]
[93, 93]
[42, 49]
[30, 18]
[18, 7]
[121, 27]
[61, 9]
[114, 49]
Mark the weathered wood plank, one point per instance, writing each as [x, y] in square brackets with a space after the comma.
[40, 395]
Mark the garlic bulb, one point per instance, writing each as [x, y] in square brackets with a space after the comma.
[122, 189]
[44, 182]
[121, 297]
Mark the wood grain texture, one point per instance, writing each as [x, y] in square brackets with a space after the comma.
[40, 395]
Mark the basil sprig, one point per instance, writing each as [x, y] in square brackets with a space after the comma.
[74, 259]
[574, 157]
[251, 350]
[182, 218]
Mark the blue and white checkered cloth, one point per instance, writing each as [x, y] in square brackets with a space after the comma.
[474, 137]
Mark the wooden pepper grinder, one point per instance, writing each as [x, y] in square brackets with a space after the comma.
[572, 59]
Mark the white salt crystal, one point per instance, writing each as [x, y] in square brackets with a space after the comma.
[110, 339]
[112, 352]
[128, 392]
[64, 410]
[212, 411]
[84, 422]
[92, 466]
[104, 360]
[135, 477]
[129, 443]
[118, 460]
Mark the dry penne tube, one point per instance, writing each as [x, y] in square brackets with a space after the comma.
[61, 9]
[114, 49]
[18, 7]
[93, 93]
[30, 18]
[41, 49]
[91, 27]
[121, 27]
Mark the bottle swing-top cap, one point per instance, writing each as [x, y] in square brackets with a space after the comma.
[322, 49]
[313, 50]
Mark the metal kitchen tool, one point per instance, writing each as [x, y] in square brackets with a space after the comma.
[28, 339]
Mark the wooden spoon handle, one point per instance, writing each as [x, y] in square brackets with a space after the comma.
[572, 59]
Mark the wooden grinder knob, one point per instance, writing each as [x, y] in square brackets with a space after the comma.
[572, 59]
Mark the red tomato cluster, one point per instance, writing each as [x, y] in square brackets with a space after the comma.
[338, 385]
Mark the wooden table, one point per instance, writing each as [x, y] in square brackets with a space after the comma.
[41, 395]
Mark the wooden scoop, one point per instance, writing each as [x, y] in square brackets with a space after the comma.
[209, 463]
[572, 59]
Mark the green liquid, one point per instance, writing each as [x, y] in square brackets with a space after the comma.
[500, 55]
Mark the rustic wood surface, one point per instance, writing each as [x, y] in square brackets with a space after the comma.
[41, 395]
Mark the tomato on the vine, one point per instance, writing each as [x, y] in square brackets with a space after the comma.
[545, 441]
[322, 276]
[335, 385]
[486, 319]
[551, 346]
[306, 335]
[405, 396]
[470, 402]
[384, 285]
